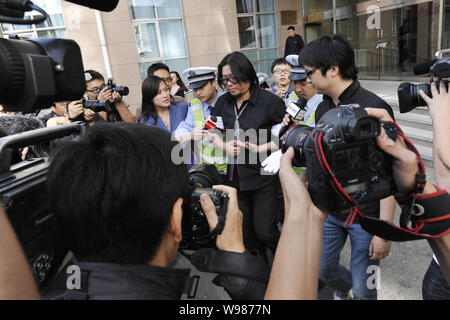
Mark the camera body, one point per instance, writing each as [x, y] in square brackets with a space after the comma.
[123, 91]
[95, 105]
[195, 226]
[408, 93]
[342, 145]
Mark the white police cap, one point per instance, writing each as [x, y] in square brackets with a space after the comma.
[297, 72]
[199, 76]
[262, 77]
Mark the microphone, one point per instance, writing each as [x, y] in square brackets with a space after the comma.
[423, 67]
[14, 124]
[210, 123]
[295, 111]
[101, 5]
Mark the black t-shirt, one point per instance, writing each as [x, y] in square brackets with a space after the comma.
[263, 111]
[355, 94]
[293, 45]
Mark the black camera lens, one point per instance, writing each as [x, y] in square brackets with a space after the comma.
[296, 138]
[94, 105]
[123, 91]
[409, 97]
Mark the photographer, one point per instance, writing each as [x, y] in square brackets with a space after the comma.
[435, 286]
[329, 63]
[96, 89]
[124, 222]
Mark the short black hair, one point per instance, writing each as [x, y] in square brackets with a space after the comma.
[95, 75]
[241, 67]
[278, 62]
[291, 28]
[156, 66]
[328, 51]
[113, 191]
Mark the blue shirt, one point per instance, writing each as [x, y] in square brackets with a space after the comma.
[187, 125]
[177, 113]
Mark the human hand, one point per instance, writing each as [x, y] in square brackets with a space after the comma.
[251, 146]
[281, 92]
[286, 119]
[379, 248]
[272, 162]
[233, 148]
[297, 200]
[89, 115]
[57, 121]
[231, 238]
[439, 103]
[75, 108]
[105, 94]
[405, 163]
[198, 134]
[115, 97]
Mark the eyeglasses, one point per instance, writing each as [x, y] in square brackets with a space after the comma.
[168, 80]
[280, 71]
[95, 90]
[232, 80]
[310, 72]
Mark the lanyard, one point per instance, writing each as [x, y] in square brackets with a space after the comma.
[236, 122]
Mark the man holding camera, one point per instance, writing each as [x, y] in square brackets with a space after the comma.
[329, 63]
[96, 89]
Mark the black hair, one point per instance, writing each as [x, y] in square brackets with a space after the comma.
[95, 75]
[241, 67]
[156, 66]
[278, 62]
[113, 192]
[180, 81]
[328, 51]
[291, 28]
[150, 88]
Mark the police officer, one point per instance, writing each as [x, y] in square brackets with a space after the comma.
[203, 82]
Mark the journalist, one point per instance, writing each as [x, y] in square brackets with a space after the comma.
[118, 201]
[329, 62]
[96, 89]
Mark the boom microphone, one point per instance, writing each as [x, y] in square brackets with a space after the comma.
[101, 5]
[424, 67]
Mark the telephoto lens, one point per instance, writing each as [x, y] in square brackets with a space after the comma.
[95, 105]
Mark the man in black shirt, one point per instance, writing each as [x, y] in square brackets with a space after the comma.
[294, 43]
[249, 112]
[330, 65]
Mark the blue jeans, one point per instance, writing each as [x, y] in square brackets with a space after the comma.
[434, 285]
[334, 235]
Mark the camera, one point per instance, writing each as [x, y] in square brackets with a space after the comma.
[95, 105]
[34, 73]
[408, 93]
[196, 230]
[123, 91]
[344, 164]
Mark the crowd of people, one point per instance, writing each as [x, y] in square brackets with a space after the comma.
[127, 219]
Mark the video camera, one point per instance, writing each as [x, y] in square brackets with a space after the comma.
[344, 164]
[196, 230]
[408, 93]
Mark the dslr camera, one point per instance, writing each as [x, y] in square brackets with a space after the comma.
[408, 93]
[95, 105]
[344, 164]
[123, 91]
[196, 231]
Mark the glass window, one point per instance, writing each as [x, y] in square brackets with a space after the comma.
[146, 40]
[316, 6]
[446, 27]
[267, 30]
[168, 8]
[172, 37]
[56, 33]
[270, 54]
[244, 6]
[247, 37]
[142, 9]
[178, 65]
[264, 6]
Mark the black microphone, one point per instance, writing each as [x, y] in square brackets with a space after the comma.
[295, 111]
[423, 67]
[101, 5]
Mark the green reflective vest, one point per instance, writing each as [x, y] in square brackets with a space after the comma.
[208, 152]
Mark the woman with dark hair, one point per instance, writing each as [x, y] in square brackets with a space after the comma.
[250, 113]
[157, 110]
[178, 87]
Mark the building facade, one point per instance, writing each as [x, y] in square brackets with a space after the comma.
[389, 36]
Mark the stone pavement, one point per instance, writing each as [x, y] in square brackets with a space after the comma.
[401, 272]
